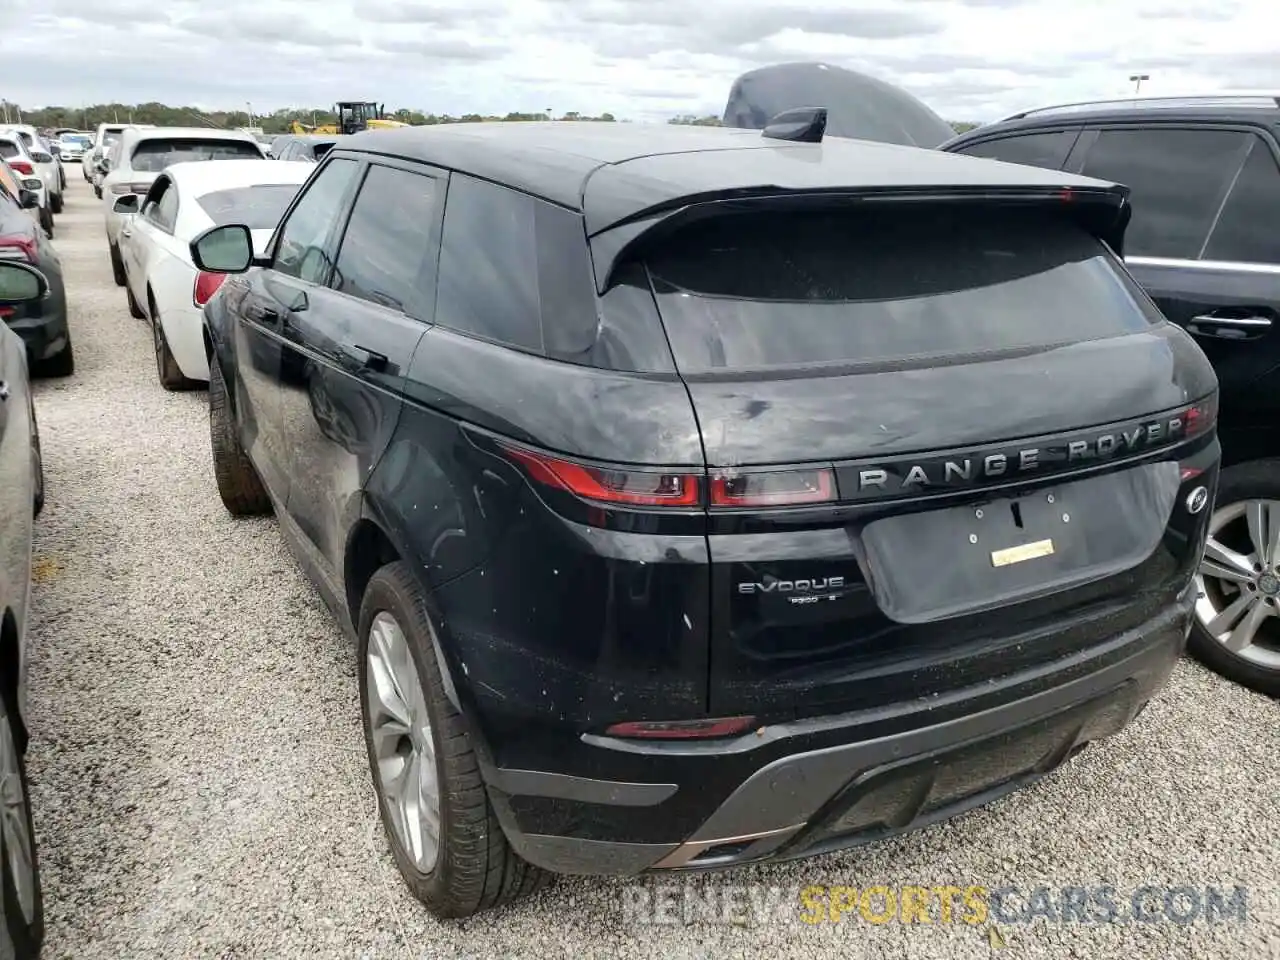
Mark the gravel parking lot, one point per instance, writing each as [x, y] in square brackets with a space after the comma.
[200, 787]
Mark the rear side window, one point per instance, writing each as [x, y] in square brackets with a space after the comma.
[259, 207]
[9, 150]
[1033, 149]
[152, 156]
[1178, 179]
[515, 270]
[888, 284]
[1248, 229]
[319, 150]
[385, 246]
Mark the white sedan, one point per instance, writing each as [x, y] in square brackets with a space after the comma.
[162, 283]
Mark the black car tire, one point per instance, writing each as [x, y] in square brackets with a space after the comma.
[135, 310]
[475, 869]
[55, 202]
[167, 368]
[24, 939]
[239, 485]
[37, 466]
[62, 363]
[1258, 480]
[46, 222]
[117, 265]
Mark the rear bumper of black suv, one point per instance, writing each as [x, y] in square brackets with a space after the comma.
[829, 783]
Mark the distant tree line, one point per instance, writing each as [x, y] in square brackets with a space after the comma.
[280, 121]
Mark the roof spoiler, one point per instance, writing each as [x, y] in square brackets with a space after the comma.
[1102, 211]
[801, 125]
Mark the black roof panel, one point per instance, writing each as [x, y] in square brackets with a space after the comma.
[612, 171]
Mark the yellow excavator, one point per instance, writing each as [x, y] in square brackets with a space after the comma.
[353, 116]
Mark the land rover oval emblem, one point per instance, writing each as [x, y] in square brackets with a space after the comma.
[1196, 499]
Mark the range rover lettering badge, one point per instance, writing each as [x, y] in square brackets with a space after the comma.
[815, 585]
[909, 477]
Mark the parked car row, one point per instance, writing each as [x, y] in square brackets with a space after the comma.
[23, 289]
[42, 326]
[29, 156]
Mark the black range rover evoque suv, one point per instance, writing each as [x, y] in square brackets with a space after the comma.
[699, 496]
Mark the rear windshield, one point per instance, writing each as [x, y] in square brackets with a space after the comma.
[885, 284]
[320, 150]
[257, 207]
[152, 156]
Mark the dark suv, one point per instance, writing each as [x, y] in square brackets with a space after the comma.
[702, 496]
[1205, 243]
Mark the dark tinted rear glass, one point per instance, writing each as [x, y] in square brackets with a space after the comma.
[9, 150]
[1248, 229]
[889, 284]
[1047, 150]
[257, 207]
[1178, 178]
[153, 156]
[515, 269]
[320, 149]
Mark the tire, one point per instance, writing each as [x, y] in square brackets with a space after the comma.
[475, 868]
[61, 364]
[117, 265]
[167, 368]
[239, 485]
[55, 202]
[23, 926]
[1258, 665]
[46, 222]
[135, 310]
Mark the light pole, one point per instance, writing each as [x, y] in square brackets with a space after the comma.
[250, 106]
[1136, 80]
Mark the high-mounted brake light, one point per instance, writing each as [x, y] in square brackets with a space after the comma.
[781, 488]
[205, 287]
[681, 729]
[620, 485]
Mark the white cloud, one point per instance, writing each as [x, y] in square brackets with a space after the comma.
[643, 59]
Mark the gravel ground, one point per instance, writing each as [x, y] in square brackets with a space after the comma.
[200, 788]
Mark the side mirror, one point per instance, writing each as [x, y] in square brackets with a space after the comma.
[21, 283]
[28, 199]
[224, 249]
[126, 204]
[103, 164]
[55, 149]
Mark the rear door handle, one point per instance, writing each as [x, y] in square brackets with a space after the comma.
[369, 359]
[1226, 326]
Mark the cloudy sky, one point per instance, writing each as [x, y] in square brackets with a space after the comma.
[640, 59]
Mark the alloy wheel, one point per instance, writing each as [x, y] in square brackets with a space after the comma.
[404, 751]
[14, 823]
[1239, 581]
